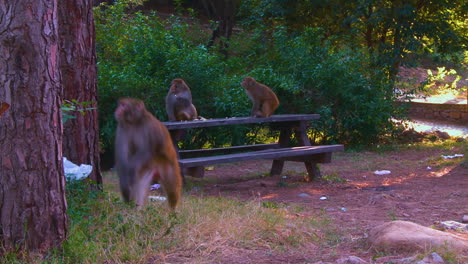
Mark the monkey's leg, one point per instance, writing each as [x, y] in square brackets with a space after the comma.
[183, 116]
[126, 181]
[172, 183]
[255, 108]
[142, 186]
[267, 110]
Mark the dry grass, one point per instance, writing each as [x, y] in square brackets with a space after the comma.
[103, 229]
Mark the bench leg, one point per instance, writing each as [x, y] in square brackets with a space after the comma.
[176, 136]
[313, 171]
[197, 172]
[277, 168]
[284, 141]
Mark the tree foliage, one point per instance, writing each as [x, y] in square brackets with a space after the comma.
[336, 58]
[387, 30]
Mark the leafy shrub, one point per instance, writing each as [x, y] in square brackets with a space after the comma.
[309, 76]
[139, 54]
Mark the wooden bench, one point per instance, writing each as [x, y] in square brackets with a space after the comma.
[194, 161]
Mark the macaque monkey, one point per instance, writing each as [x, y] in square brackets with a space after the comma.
[179, 105]
[144, 152]
[264, 99]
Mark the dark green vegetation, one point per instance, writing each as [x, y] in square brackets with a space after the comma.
[336, 58]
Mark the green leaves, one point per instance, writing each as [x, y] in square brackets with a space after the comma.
[69, 107]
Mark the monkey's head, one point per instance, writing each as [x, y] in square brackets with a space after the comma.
[130, 111]
[248, 82]
[178, 86]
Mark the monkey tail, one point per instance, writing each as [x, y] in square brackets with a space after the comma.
[171, 181]
[173, 197]
[172, 222]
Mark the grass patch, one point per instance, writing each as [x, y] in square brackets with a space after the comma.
[447, 144]
[103, 229]
[448, 254]
[439, 162]
[333, 178]
[376, 159]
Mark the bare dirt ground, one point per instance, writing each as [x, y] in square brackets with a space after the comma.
[357, 199]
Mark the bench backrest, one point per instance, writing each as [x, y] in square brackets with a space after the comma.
[239, 120]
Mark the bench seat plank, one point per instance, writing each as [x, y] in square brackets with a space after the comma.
[261, 154]
[226, 150]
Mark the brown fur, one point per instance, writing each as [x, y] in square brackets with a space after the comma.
[179, 105]
[264, 99]
[143, 151]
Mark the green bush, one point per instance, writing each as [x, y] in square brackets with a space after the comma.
[139, 54]
[309, 76]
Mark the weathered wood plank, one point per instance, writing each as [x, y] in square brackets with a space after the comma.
[239, 120]
[226, 150]
[315, 158]
[284, 142]
[311, 165]
[261, 154]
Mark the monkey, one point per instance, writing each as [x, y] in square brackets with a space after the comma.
[179, 105]
[144, 151]
[264, 99]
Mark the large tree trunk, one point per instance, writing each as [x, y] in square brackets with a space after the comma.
[32, 184]
[223, 11]
[79, 78]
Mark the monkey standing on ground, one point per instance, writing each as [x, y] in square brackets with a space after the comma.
[264, 99]
[143, 150]
[179, 105]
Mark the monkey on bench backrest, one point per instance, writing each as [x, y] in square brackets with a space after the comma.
[179, 105]
[264, 99]
[143, 150]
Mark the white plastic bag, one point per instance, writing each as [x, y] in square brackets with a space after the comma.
[382, 172]
[75, 172]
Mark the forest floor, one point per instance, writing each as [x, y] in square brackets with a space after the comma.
[422, 187]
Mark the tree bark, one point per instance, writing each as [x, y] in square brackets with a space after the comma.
[79, 78]
[32, 185]
[224, 12]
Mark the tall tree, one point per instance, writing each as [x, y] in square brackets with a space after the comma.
[224, 13]
[32, 184]
[389, 30]
[79, 75]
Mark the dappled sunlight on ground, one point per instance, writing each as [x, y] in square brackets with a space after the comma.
[270, 196]
[422, 188]
[430, 126]
[360, 185]
[443, 172]
[389, 182]
[450, 97]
